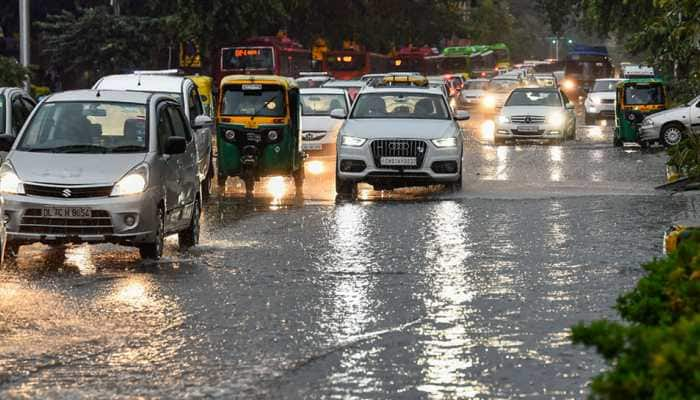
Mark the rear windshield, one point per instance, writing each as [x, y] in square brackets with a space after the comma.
[605, 86]
[322, 104]
[534, 98]
[87, 127]
[348, 62]
[476, 85]
[400, 105]
[253, 100]
[644, 95]
[503, 85]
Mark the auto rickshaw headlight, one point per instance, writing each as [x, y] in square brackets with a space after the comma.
[230, 135]
[273, 135]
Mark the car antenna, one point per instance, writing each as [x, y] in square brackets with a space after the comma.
[138, 83]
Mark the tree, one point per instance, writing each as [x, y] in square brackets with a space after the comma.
[11, 72]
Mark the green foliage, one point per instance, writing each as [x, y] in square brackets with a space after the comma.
[11, 72]
[656, 354]
[685, 156]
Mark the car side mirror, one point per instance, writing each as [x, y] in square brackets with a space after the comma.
[6, 142]
[338, 113]
[461, 115]
[175, 145]
[202, 121]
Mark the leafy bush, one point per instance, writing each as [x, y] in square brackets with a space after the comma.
[682, 91]
[655, 354]
[11, 72]
[685, 156]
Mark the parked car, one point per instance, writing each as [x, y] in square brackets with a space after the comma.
[185, 91]
[103, 166]
[320, 131]
[600, 101]
[399, 137]
[536, 114]
[15, 107]
[670, 126]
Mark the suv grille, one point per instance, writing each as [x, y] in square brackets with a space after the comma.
[67, 192]
[527, 119]
[99, 223]
[398, 148]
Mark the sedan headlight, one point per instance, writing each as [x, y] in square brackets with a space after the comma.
[556, 119]
[134, 182]
[445, 142]
[352, 141]
[502, 119]
[9, 181]
[489, 101]
[648, 123]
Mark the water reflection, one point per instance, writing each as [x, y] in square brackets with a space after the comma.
[555, 165]
[445, 356]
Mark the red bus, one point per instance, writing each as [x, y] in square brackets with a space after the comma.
[265, 55]
[352, 64]
[412, 59]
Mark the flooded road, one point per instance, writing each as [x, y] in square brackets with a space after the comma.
[406, 294]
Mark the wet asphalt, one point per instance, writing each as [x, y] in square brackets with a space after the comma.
[417, 293]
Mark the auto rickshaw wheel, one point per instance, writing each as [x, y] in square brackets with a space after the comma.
[671, 135]
[249, 181]
[617, 142]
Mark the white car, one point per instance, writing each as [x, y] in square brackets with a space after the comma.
[498, 91]
[669, 127]
[399, 137]
[473, 92]
[600, 101]
[536, 114]
[319, 130]
[185, 91]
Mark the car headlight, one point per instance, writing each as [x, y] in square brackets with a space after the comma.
[489, 101]
[9, 181]
[556, 119]
[648, 123]
[352, 141]
[445, 142]
[502, 119]
[134, 182]
[595, 100]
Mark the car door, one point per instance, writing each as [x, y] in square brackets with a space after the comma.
[172, 171]
[695, 117]
[203, 134]
[188, 185]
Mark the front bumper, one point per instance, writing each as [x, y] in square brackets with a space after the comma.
[26, 223]
[649, 134]
[540, 132]
[423, 175]
[603, 110]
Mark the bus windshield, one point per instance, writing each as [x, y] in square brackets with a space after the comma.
[253, 100]
[244, 58]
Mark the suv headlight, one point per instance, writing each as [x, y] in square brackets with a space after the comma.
[648, 123]
[9, 180]
[134, 182]
[352, 141]
[556, 119]
[502, 119]
[445, 142]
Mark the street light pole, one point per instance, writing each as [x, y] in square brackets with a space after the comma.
[24, 36]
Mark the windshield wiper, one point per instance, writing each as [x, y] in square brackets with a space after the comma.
[255, 114]
[128, 148]
[73, 148]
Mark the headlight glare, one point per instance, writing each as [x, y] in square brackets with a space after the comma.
[445, 142]
[502, 119]
[9, 181]
[352, 141]
[134, 182]
[556, 119]
[489, 101]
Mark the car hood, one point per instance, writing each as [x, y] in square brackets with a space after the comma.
[674, 113]
[73, 169]
[399, 128]
[530, 110]
[320, 124]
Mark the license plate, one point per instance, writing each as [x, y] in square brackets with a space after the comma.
[66, 212]
[399, 161]
[311, 146]
[528, 128]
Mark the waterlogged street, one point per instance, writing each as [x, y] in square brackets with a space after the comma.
[412, 294]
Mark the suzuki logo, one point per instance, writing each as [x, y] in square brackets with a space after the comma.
[67, 193]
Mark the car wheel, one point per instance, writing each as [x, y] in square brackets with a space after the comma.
[190, 237]
[154, 250]
[207, 184]
[671, 135]
[345, 188]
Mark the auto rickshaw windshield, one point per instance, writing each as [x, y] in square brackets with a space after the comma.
[644, 95]
[253, 100]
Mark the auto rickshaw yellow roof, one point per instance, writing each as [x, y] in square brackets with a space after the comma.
[262, 79]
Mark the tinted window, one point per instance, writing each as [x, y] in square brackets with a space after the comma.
[3, 112]
[534, 98]
[195, 104]
[178, 123]
[164, 128]
[400, 105]
[19, 114]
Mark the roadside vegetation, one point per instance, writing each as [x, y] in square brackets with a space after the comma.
[653, 352]
[11, 72]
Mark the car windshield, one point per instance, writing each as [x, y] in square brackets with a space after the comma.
[400, 105]
[253, 100]
[644, 95]
[605, 86]
[545, 81]
[87, 127]
[502, 85]
[534, 98]
[476, 85]
[322, 104]
[2, 114]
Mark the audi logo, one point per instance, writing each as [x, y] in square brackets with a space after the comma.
[398, 146]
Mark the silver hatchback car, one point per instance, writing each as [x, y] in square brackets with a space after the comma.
[103, 166]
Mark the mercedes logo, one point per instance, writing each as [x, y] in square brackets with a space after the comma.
[67, 192]
[528, 119]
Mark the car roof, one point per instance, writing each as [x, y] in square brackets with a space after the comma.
[288, 83]
[114, 96]
[142, 83]
[322, 91]
[403, 89]
[343, 84]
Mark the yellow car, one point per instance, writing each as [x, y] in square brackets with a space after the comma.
[676, 234]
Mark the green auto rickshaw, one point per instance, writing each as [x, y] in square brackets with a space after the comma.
[259, 130]
[636, 98]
